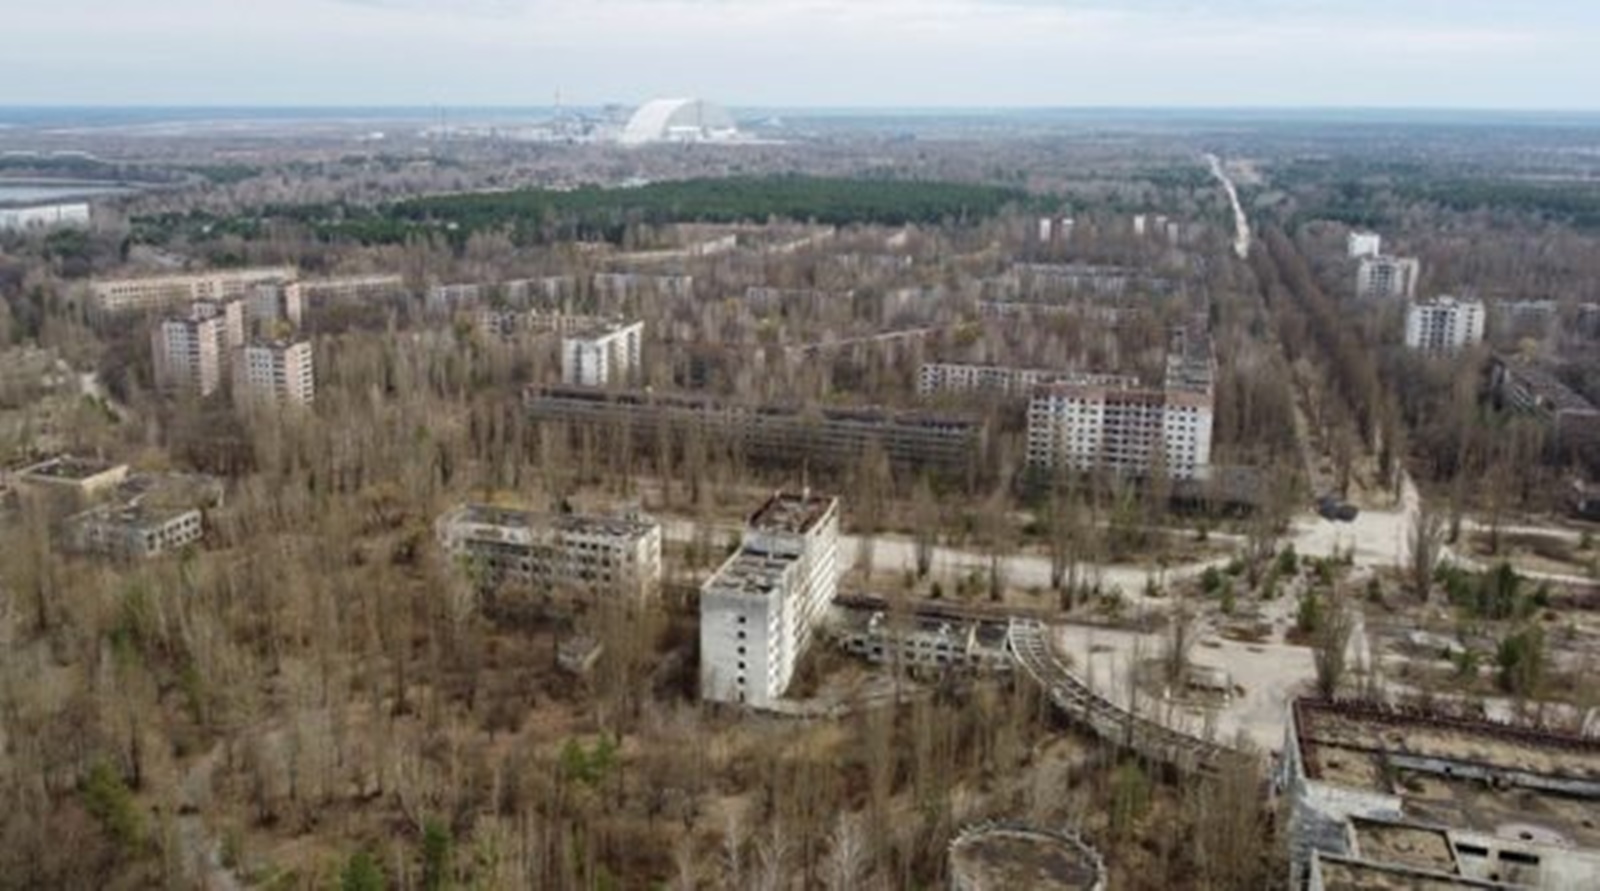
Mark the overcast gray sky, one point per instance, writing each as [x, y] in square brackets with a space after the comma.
[1458, 53]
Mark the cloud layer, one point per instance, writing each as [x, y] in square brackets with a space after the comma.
[1469, 53]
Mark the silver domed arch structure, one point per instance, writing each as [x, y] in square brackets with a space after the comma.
[679, 120]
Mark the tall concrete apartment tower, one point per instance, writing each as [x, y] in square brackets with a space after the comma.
[192, 352]
[758, 613]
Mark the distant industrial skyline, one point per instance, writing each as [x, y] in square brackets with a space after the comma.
[1534, 54]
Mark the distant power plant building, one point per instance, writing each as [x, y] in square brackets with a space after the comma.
[680, 121]
[1388, 278]
[277, 371]
[509, 547]
[1444, 325]
[1086, 423]
[770, 434]
[39, 217]
[1361, 245]
[760, 610]
[115, 296]
[602, 355]
[192, 353]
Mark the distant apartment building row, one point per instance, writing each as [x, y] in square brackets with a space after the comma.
[347, 288]
[278, 371]
[1444, 325]
[623, 285]
[145, 294]
[510, 293]
[832, 437]
[760, 610]
[511, 547]
[1387, 278]
[942, 377]
[602, 355]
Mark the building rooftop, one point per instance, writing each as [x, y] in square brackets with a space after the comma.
[1509, 782]
[751, 573]
[534, 521]
[1343, 874]
[1545, 386]
[791, 512]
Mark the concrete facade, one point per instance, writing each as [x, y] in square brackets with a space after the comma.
[603, 355]
[193, 352]
[132, 531]
[113, 296]
[1444, 325]
[1388, 278]
[941, 377]
[277, 371]
[511, 547]
[759, 611]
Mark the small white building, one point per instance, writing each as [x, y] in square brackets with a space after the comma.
[760, 610]
[277, 371]
[1360, 245]
[602, 355]
[1388, 278]
[1444, 325]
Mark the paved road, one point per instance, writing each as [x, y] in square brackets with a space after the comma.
[1241, 239]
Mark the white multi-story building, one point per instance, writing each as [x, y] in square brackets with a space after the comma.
[277, 371]
[1388, 278]
[508, 547]
[940, 377]
[1444, 325]
[1361, 245]
[603, 355]
[759, 612]
[192, 353]
[1103, 423]
[144, 294]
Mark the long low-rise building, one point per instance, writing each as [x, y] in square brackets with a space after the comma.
[773, 433]
[40, 217]
[144, 294]
[1524, 386]
[507, 547]
[947, 377]
[134, 530]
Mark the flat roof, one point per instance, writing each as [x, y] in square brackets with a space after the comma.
[1404, 844]
[750, 573]
[521, 518]
[1344, 874]
[795, 513]
[1512, 783]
